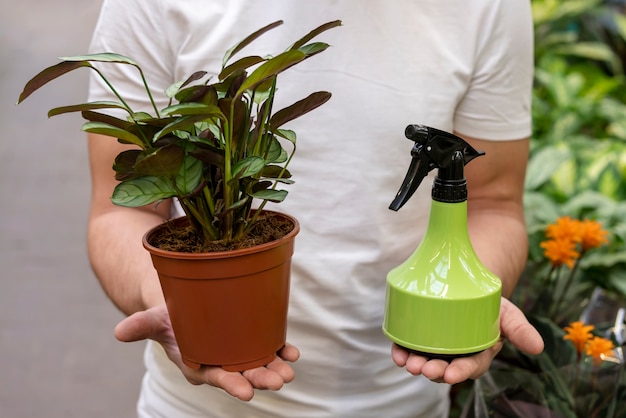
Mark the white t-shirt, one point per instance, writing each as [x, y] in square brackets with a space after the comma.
[455, 65]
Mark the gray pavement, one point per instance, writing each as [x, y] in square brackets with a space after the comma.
[58, 356]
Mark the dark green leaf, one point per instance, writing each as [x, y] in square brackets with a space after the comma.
[287, 134]
[299, 108]
[275, 196]
[261, 185]
[248, 167]
[173, 90]
[144, 117]
[165, 161]
[68, 64]
[276, 153]
[110, 130]
[183, 123]
[270, 69]
[101, 117]
[209, 155]
[202, 94]
[249, 39]
[188, 109]
[49, 74]
[239, 65]
[142, 191]
[124, 165]
[190, 175]
[85, 107]
[275, 171]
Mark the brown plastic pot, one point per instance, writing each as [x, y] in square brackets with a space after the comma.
[228, 308]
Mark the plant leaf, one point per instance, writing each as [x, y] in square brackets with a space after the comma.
[275, 172]
[193, 108]
[314, 48]
[124, 164]
[299, 108]
[164, 161]
[287, 134]
[101, 117]
[192, 112]
[199, 93]
[102, 57]
[69, 64]
[249, 39]
[314, 33]
[241, 64]
[114, 131]
[84, 107]
[248, 167]
[544, 164]
[276, 153]
[142, 191]
[172, 90]
[190, 175]
[183, 123]
[209, 155]
[270, 69]
[275, 196]
[47, 75]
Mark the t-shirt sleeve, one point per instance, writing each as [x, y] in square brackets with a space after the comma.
[497, 105]
[133, 29]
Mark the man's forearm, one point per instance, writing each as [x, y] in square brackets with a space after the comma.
[501, 242]
[120, 262]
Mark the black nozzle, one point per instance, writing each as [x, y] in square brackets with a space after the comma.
[434, 148]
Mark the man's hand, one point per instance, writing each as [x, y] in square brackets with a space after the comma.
[513, 326]
[154, 324]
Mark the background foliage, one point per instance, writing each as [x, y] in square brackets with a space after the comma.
[577, 164]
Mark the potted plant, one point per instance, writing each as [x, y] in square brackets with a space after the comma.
[219, 148]
[580, 372]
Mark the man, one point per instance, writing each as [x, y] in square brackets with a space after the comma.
[458, 66]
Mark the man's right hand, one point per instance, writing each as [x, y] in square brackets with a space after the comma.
[155, 324]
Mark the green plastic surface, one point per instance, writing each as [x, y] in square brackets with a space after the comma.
[442, 299]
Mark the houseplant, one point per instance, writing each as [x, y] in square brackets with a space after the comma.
[218, 147]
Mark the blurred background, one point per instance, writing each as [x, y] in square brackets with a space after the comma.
[58, 356]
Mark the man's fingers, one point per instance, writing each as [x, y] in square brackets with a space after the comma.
[139, 326]
[289, 353]
[516, 328]
[235, 384]
[264, 378]
[472, 367]
[399, 355]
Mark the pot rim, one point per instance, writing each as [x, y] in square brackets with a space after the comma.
[217, 254]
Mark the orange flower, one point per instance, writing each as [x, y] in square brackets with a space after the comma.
[592, 235]
[565, 228]
[560, 251]
[579, 334]
[598, 348]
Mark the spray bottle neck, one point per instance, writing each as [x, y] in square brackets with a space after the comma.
[450, 184]
[447, 223]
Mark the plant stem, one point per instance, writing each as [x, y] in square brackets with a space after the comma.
[145, 84]
[126, 106]
[565, 290]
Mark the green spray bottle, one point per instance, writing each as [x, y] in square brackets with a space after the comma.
[442, 302]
